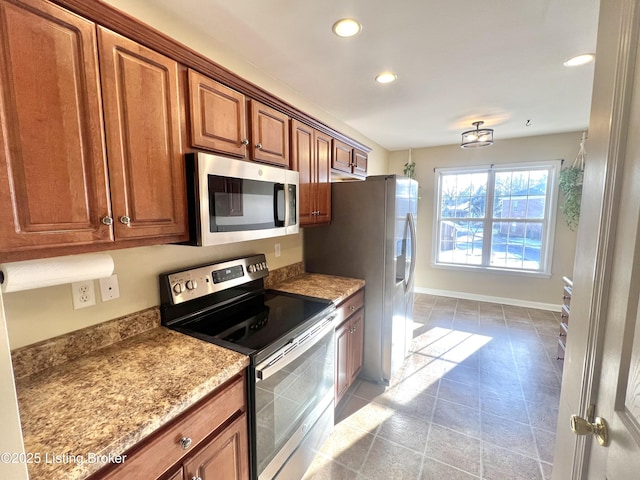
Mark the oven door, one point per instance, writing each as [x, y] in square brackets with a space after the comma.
[294, 388]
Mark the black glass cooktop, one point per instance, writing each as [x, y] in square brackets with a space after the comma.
[263, 322]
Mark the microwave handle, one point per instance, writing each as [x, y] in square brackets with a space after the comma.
[277, 188]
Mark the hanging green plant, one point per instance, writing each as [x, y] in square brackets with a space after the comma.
[409, 167]
[570, 184]
[571, 188]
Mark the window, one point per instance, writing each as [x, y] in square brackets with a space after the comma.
[498, 217]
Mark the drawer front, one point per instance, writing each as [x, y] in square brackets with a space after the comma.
[349, 306]
[164, 449]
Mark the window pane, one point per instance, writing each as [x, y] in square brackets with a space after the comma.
[520, 194]
[516, 245]
[460, 242]
[463, 195]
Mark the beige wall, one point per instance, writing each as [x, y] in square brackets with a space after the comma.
[512, 288]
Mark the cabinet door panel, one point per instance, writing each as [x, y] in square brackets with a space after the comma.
[225, 457]
[360, 162]
[357, 344]
[218, 116]
[270, 130]
[143, 131]
[53, 186]
[322, 174]
[303, 160]
[342, 361]
[341, 159]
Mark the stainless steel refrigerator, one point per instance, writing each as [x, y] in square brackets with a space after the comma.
[373, 236]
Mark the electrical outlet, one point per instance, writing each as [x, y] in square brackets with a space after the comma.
[109, 289]
[277, 249]
[83, 294]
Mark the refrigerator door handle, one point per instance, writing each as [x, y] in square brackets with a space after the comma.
[412, 266]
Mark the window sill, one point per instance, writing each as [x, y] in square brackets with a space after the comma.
[499, 271]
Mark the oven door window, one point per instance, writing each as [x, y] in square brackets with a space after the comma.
[237, 204]
[288, 398]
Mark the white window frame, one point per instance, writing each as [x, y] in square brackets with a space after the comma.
[549, 220]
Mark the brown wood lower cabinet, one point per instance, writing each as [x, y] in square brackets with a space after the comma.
[349, 342]
[208, 441]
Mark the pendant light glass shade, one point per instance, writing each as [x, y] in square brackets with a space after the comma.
[480, 137]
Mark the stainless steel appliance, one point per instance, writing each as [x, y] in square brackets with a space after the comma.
[373, 236]
[232, 200]
[290, 343]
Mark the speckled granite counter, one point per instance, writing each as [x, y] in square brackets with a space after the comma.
[329, 287]
[108, 400]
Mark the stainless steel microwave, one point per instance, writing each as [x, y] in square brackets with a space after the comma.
[233, 200]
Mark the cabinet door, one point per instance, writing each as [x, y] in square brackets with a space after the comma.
[357, 344]
[225, 457]
[323, 172]
[360, 162]
[342, 156]
[143, 130]
[303, 160]
[342, 360]
[53, 185]
[218, 116]
[269, 135]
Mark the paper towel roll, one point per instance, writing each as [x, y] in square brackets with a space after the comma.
[46, 272]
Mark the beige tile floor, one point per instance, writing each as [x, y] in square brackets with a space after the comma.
[476, 399]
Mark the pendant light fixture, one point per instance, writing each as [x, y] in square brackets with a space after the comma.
[480, 137]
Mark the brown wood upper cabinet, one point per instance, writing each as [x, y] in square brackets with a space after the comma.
[219, 122]
[218, 116]
[269, 135]
[56, 192]
[311, 157]
[53, 171]
[144, 143]
[348, 159]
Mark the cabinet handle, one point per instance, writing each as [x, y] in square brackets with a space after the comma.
[196, 478]
[564, 315]
[259, 146]
[352, 308]
[107, 220]
[126, 220]
[566, 297]
[185, 443]
[245, 141]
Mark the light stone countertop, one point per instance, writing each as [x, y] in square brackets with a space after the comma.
[329, 287]
[108, 400]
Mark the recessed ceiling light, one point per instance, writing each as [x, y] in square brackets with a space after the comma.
[386, 77]
[346, 27]
[580, 60]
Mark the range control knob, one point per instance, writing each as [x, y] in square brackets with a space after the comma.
[191, 284]
[251, 269]
[178, 288]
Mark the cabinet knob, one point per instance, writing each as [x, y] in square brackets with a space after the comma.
[185, 442]
[259, 146]
[124, 219]
[245, 141]
[352, 308]
[107, 220]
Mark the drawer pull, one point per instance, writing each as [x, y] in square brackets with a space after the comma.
[352, 308]
[185, 443]
[566, 297]
[196, 478]
[564, 315]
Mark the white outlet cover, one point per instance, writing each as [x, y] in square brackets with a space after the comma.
[83, 294]
[109, 289]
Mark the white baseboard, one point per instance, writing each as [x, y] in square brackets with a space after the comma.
[487, 298]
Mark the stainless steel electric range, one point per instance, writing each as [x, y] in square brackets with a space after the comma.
[290, 342]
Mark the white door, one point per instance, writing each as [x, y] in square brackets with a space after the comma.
[602, 365]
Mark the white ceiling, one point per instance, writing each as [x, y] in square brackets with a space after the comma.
[457, 61]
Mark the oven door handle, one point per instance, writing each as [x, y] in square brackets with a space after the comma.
[294, 349]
